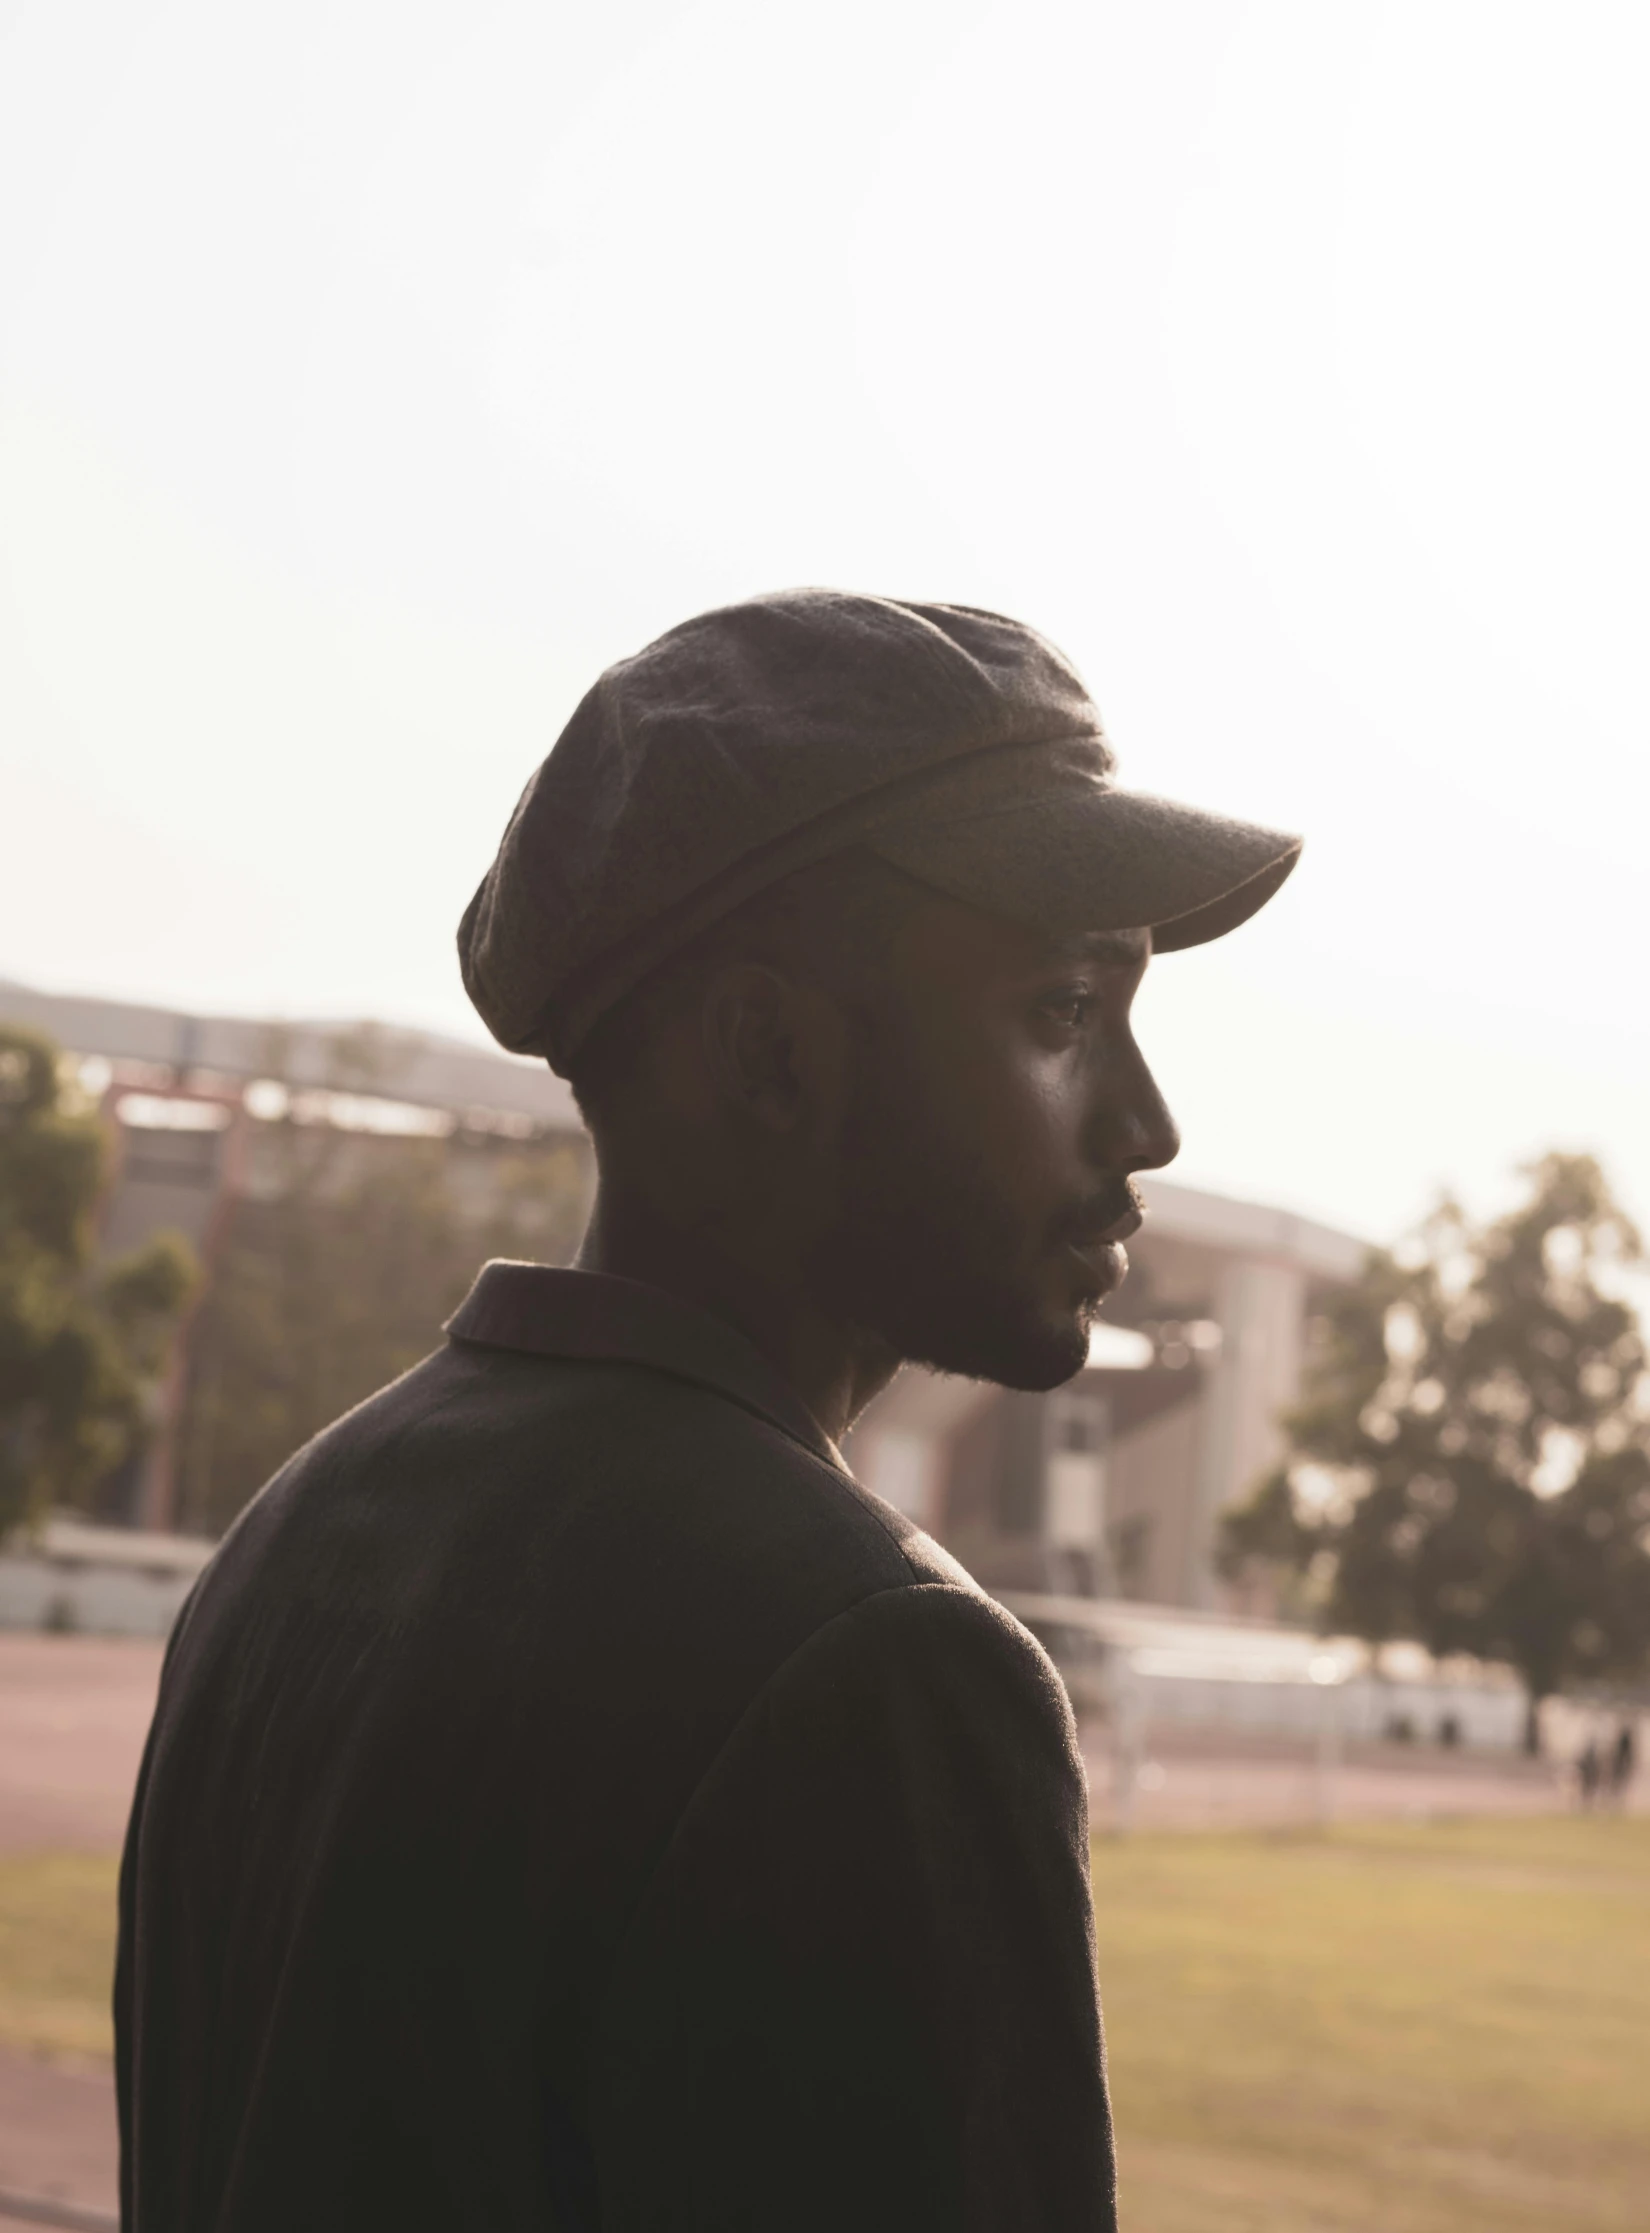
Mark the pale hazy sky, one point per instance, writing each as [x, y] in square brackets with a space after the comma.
[374, 372]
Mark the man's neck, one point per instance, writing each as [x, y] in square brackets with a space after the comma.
[836, 1369]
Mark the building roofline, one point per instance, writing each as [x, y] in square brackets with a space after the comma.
[1250, 1228]
[424, 1068]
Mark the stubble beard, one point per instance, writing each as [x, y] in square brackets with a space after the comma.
[939, 1266]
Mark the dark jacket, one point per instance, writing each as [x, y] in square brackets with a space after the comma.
[573, 1801]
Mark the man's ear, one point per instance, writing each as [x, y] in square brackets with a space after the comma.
[750, 1019]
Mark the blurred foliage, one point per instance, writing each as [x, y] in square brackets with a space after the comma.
[335, 1274]
[81, 1348]
[1470, 1463]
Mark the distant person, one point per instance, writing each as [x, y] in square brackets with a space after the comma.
[1623, 1761]
[573, 1801]
[1588, 1769]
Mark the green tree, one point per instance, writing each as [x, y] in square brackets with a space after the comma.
[81, 1346]
[339, 1265]
[1470, 1463]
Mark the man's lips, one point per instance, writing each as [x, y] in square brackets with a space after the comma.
[1099, 1248]
[1098, 1230]
[1105, 1264]
[1123, 1228]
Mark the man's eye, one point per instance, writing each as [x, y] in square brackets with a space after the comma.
[1072, 1006]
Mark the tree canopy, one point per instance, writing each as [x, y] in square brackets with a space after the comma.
[1470, 1462]
[81, 1345]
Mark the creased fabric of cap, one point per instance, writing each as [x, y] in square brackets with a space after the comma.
[752, 740]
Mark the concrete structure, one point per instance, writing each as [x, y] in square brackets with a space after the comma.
[188, 1094]
[73, 1580]
[162, 1048]
[1215, 1673]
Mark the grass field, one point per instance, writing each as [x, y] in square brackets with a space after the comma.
[57, 1950]
[1440, 2029]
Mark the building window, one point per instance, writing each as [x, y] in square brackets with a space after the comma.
[1077, 1423]
[171, 1158]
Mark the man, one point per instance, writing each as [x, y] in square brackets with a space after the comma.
[573, 1802]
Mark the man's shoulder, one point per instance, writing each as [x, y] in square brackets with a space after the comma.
[484, 1480]
[564, 1564]
[938, 1650]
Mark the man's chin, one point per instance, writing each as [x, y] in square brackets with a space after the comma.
[1032, 1354]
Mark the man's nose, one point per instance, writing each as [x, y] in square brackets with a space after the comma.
[1132, 1128]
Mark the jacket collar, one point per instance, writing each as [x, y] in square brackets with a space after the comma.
[599, 1319]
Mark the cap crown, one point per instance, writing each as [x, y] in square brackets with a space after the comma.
[717, 742]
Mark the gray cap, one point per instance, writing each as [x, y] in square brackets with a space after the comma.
[743, 745]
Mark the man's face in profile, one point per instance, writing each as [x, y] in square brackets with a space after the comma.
[997, 1108]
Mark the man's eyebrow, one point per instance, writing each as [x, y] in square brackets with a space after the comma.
[1116, 947]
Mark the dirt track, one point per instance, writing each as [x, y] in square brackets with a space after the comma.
[74, 1711]
[57, 2133]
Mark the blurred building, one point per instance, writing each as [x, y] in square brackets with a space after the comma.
[1110, 1487]
[194, 1103]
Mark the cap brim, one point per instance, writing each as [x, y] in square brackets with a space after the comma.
[1075, 858]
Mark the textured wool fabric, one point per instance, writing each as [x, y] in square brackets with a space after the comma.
[574, 1802]
[751, 741]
